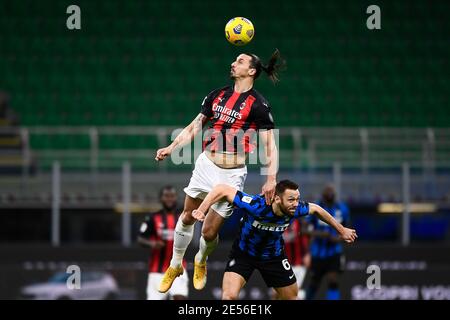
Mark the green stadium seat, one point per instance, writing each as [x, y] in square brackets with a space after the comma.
[145, 63]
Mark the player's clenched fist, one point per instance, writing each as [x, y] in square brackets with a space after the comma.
[162, 153]
[198, 215]
[349, 235]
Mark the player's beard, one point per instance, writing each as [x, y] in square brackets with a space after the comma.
[170, 208]
[329, 198]
[285, 210]
[232, 76]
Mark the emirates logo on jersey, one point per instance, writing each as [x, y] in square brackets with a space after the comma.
[289, 235]
[225, 114]
[166, 234]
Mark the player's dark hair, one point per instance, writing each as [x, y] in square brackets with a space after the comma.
[283, 185]
[166, 188]
[272, 68]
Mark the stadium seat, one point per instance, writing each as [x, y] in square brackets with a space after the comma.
[137, 65]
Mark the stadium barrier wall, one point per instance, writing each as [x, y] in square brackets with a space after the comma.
[414, 272]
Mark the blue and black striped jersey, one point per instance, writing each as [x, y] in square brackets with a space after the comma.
[322, 248]
[261, 230]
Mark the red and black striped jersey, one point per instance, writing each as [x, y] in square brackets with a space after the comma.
[296, 244]
[160, 225]
[234, 119]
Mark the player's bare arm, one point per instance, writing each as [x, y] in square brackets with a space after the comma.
[323, 235]
[346, 234]
[315, 233]
[268, 140]
[154, 244]
[185, 136]
[219, 192]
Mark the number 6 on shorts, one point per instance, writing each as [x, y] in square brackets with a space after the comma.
[286, 264]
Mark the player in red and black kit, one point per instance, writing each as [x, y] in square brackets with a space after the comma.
[156, 232]
[235, 112]
[296, 246]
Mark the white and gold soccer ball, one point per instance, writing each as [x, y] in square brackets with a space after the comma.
[239, 31]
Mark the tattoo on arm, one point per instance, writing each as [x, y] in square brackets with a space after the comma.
[200, 120]
[188, 132]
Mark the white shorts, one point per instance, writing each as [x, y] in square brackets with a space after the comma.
[206, 175]
[180, 286]
[300, 272]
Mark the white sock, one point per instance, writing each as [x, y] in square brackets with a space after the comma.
[205, 249]
[182, 237]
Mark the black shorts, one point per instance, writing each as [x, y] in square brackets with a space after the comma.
[277, 273]
[325, 265]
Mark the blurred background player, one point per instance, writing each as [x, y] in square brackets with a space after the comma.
[296, 247]
[156, 232]
[259, 245]
[326, 250]
[236, 112]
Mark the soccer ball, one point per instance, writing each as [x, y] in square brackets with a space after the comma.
[239, 31]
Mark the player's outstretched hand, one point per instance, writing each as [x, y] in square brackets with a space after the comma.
[158, 244]
[349, 235]
[198, 215]
[162, 153]
[268, 190]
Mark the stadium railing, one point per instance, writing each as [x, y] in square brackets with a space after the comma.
[300, 148]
